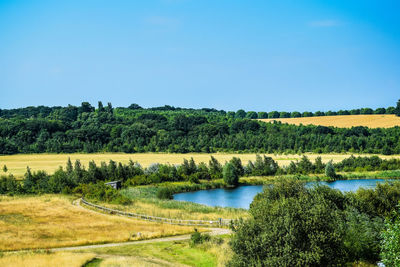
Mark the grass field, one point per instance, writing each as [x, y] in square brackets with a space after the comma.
[38, 259]
[17, 164]
[344, 121]
[215, 252]
[52, 221]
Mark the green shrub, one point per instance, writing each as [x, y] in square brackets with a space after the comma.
[165, 193]
[291, 226]
[198, 238]
[102, 192]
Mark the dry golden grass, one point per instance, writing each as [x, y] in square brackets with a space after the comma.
[52, 221]
[345, 121]
[17, 164]
[181, 211]
[59, 259]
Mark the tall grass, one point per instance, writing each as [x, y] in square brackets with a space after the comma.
[36, 259]
[52, 221]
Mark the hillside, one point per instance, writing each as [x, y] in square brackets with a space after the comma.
[344, 121]
[86, 129]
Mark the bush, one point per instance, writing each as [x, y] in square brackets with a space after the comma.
[102, 192]
[291, 226]
[362, 237]
[198, 238]
[164, 193]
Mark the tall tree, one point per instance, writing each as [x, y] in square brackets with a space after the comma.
[397, 110]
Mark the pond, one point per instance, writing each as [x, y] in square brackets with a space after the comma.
[242, 196]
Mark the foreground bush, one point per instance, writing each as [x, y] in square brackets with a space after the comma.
[292, 225]
[299, 228]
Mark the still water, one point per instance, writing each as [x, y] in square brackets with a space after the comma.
[242, 196]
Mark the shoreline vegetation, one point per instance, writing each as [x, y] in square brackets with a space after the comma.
[149, 190]
[76, 178]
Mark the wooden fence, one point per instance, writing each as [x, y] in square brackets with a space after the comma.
[203, 223]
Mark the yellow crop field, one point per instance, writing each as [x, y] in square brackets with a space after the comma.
[344, 121]
[34, 259]
[49, 221]
[17, 164]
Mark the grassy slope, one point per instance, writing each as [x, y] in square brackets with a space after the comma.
[17, 164]
[52, 221]
[212, 253]
[345, 121]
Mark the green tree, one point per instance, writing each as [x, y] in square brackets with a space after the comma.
[291, 225]
[230, 174]
[100, 107]
[273, 115]
[330, 170]
[262, 115]
[5, 169]
[380, 111]
[215, 168]
[134, 106]
[240, 114]
[284, 114]
[390, 110]
[252, 115]
[367, 111]
[237, 163]
[397, 109]
[295, 114]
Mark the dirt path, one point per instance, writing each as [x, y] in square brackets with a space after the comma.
[213, 232]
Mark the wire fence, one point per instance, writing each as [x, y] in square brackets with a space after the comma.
[218, 223]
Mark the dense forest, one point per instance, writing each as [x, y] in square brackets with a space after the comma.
[169, 129]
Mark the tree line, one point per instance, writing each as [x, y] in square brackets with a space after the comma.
[75, 178]
[107, 129]
[44, 111]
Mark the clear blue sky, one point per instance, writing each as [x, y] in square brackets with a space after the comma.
[225, 54]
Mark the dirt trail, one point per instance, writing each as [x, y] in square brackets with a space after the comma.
[213, 232]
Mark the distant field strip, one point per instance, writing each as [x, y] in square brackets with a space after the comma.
[17, 164]
[344, 121]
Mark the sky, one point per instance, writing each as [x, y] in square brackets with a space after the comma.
[259, 55]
